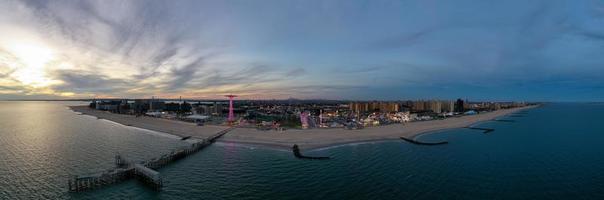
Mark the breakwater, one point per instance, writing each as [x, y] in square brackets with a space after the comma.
[297, 154]
[485, 130]
[423, 143]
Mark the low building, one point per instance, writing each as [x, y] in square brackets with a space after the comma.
[110, 105]
[157, 105]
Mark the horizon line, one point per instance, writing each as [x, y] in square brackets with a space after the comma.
[344, 100]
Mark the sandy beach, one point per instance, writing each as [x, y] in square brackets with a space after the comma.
[307, 139]
[174, 127]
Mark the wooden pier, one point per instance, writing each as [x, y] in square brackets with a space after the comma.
[148, 176]
[83, 183]
[143, 171]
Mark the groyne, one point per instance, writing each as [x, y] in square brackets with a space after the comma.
[423, 143]
[297, 154]
[485, 130]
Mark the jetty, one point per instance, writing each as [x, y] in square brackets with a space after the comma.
[485, 130]
[423, 143]
[297, 154]
[144, 171]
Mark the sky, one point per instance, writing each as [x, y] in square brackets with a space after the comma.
[308, 49]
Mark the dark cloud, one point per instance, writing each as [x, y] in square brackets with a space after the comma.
[301, 91]
[314, 89]
[89, 82]
[180, 77]
[593, 35]
[164, 55]
[254, 74]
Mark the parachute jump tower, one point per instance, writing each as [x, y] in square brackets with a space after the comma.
[231, 116]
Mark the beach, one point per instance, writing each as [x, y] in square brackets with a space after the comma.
[174, 127]
[306, 139]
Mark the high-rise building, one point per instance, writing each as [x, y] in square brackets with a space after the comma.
[448, 106]
[419, 106]
[434, 106]
[459, 105]
[375, 106]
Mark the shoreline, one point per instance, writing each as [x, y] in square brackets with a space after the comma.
[308, 140]
[165, 126]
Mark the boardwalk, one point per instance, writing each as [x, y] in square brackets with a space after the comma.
[143, 171]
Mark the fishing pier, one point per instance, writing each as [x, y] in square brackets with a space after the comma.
[144, 171]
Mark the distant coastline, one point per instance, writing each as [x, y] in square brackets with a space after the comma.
[307, 139]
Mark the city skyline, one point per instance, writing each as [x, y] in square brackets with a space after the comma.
[349, 50]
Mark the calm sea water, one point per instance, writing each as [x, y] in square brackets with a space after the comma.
[554, 152]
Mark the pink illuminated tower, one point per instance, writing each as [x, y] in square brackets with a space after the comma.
[304, 119]
[231, 117]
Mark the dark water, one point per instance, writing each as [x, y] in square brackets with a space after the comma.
[553, 152]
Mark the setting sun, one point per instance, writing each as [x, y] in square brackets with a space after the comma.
[31, 63]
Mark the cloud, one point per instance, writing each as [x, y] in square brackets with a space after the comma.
[180, 77]
[298, 91]
[11, 88]
[254, 73]
[89, 82]
[593, 35]
[143, 48]
[400, 41]
[295, 72]
[357, 70]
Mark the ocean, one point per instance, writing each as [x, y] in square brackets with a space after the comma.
[550, 152]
